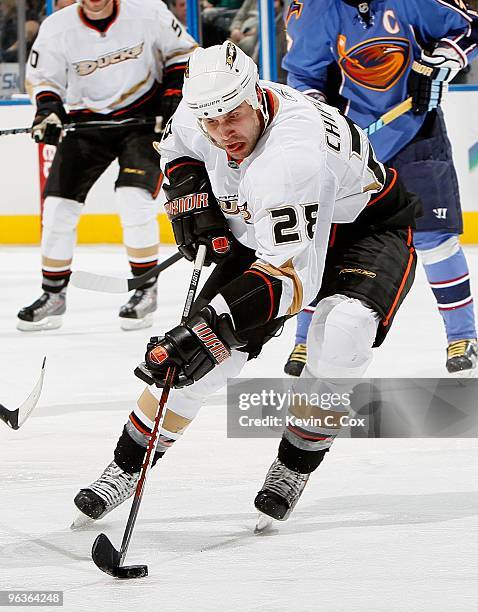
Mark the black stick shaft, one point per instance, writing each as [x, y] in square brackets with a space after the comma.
[89, 125]
[160, 413]
[138, 281]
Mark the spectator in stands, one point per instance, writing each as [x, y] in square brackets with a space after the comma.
[178, 8]
[8, 30]
[245, 26]
[217, 16]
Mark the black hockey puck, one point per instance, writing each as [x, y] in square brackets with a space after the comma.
[131, 571]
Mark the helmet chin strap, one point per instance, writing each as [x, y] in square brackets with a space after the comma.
[263, 108]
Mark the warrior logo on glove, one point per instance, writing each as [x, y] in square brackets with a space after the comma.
[186, 204]
[212, 343]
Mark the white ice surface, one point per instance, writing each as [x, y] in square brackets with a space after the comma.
[384, 525]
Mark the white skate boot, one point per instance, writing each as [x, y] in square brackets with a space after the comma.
[137, 313]
[112, 488]
[45, 313]
[280, 493]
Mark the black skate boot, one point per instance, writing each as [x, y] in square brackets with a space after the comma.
[280, 493]
[296, 361]
[44, 313]
[111, 489]
[461, 357]
[137, 313]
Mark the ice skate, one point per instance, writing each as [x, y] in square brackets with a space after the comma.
[111, 489]
[461, 357]
[137, 313]
[280, 492]
[296, 361]
[45, 313]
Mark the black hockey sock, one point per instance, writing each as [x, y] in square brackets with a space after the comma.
[299, 460]
[141, 265]
[129, 455]
[55, 279]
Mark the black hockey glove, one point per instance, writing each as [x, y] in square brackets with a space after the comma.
[49, 118]
[194, 212]
[172, 93]
[195, 348]
[429, 77]
[169, 103]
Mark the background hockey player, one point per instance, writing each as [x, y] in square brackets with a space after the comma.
[104, 59]
[376, 53]
[282, 168]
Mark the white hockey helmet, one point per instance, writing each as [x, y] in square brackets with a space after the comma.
[218, 79]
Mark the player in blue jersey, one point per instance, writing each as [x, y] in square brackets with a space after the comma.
[366, 57]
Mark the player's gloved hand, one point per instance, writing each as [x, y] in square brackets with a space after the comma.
[194, 348]
[197, 219]
[47, 128]
[169, 103]
[429, 77]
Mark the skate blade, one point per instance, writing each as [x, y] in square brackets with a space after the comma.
[470, 373]
[81, 522]
[132, 324]
[264, 523]
[53, 322]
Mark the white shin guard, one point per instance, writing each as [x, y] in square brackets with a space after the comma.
[138, 211]
[60, 220]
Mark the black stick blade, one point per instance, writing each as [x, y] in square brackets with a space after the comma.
[10, 417]
[105, 555]
[107, 559]
[16, 418]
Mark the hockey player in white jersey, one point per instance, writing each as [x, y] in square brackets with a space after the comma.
[271, 182]
[103, 60]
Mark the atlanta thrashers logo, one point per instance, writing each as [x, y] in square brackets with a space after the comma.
[377, 63]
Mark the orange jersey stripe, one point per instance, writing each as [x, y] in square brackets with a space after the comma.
[384, 193]
[386, 321]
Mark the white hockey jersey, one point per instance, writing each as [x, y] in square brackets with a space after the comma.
[105, 72]
[311, 167]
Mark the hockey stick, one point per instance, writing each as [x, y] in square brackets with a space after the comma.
[16, 418]
[112, 284]
[89, 125]
[389, 116]
[104, 554]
